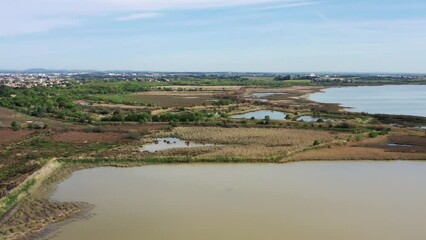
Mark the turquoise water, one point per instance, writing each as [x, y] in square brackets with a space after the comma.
[391, 99]
[274, 115]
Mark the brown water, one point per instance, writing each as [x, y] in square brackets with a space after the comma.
[312, 200]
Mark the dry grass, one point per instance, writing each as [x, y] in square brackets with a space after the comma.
[247, 152]
[253, 143]
[371, 149]
[354, 153]
[205, 88]
[254, 136]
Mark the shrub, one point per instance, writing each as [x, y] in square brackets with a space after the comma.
[15, 126]
[372, 134]
[317, 142]
[37, 125]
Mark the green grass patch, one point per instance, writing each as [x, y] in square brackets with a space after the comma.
[12, 199]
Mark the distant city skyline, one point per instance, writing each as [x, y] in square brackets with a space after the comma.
[215, 35]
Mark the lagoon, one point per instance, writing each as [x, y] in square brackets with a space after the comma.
[304, 201]
[388, 99]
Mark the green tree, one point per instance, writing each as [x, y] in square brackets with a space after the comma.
[267, 119]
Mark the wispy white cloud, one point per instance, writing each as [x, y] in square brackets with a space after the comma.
[29, 16]
[288, 5]
[138, 16]
[16, 25]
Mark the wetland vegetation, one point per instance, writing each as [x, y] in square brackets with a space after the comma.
[49, 132]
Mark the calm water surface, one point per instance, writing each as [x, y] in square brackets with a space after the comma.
[391, 99]
[265, 94]
[311, 119]
[169, 143]
[315, 200]
[274, 115]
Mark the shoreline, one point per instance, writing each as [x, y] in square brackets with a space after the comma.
[82, 210]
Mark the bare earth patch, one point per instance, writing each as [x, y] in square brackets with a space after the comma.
[7, 135]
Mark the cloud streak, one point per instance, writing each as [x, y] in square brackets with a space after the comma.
[288, 5]
[139, 16]
[29, 16]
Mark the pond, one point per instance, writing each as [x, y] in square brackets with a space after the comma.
[304, 201]
[274, 115]
[311, 119]
[169, 143]
[398, 145]
[390, 99]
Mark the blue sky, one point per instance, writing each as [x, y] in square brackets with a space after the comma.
[215, 35]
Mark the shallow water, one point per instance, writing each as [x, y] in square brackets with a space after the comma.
[311, 119]
[169, 143]
[263, 96]
[311, 200]
[390, 99]
[398, 145]
[274, 115]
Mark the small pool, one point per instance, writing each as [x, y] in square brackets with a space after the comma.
[311, 119]
[398, 145]
[274, 115]
[265, 94]
[169, 143]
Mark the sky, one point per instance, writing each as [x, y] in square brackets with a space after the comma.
[215, 35]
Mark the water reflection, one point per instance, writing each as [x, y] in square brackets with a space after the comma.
[169, 143]
[304, 201]
[274, 115]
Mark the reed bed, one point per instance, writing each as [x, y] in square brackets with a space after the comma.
[254, 143]
[255, 136]
[268, 154]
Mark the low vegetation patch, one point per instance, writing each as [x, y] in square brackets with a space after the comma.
[259, 136]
